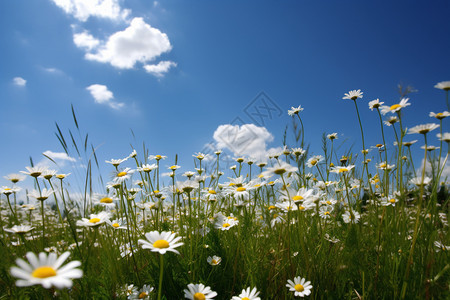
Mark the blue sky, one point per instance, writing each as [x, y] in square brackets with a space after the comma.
[174, 71]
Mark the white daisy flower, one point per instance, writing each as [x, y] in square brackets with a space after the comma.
[342, 170]
[287, 205]
[116, 162]
[143, 293]
[19, 229]
[224, 223]
[440, 116]
[279, 169]
[349, 217]
[375, 104]
[332, 136]
[313, 161]
[423, 129]
[445, 137]
[443, 85]
[15, 178]
[214, 260]
[161, 242]
[299, 286]
[295, 110]
[157, 157]
[418, 181]
[94, 220]
[353, 95]
[199, 292]
[41, 195]
[34, 171]
[46, 270]
[147, 168]
[396, 107]
[246, 294]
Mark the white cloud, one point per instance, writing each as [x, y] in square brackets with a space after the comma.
[85, 40]
[60, 158]
[138, 43]
[58, 155]
[161, 68]
[102, 95]
[248, 139]
[83, 9]
[19, 81]
[428, 169]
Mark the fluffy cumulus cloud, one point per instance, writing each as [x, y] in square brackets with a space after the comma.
[19, 81]
[85, 40]
[83, 9]
[102, 95]
[428, 170]
[138, 43]
[160, 69]
[247, 140]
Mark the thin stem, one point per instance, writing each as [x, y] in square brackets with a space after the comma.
[161, 271]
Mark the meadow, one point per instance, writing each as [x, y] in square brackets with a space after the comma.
[344, 224]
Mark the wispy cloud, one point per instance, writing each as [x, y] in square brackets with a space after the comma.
[160, 69]
[19, 81]
[60, 158]
[102, 95]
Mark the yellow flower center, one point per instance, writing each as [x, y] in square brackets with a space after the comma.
[328, 202]
[121, 174]
[94, 220]
[158, 157]
[199, 296]
[226, 225]
[299, 288]
[60, 176]
[44, 272]
[240, 189]
[395, 106]
[326, 213]
[115, 225]
[231, 184]
[301, 207]
[271, 207]
[245, 298]
[106, 200]
[142, 295]
[212, 192]
[343, 170]
[271, 182]
[297, 198]
[173, 167]
[314, 162]
[214, 262]
[161, 244]
[392, 200]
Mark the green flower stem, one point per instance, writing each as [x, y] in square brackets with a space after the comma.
[386, 178]
[416, 226]
[161, 272]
